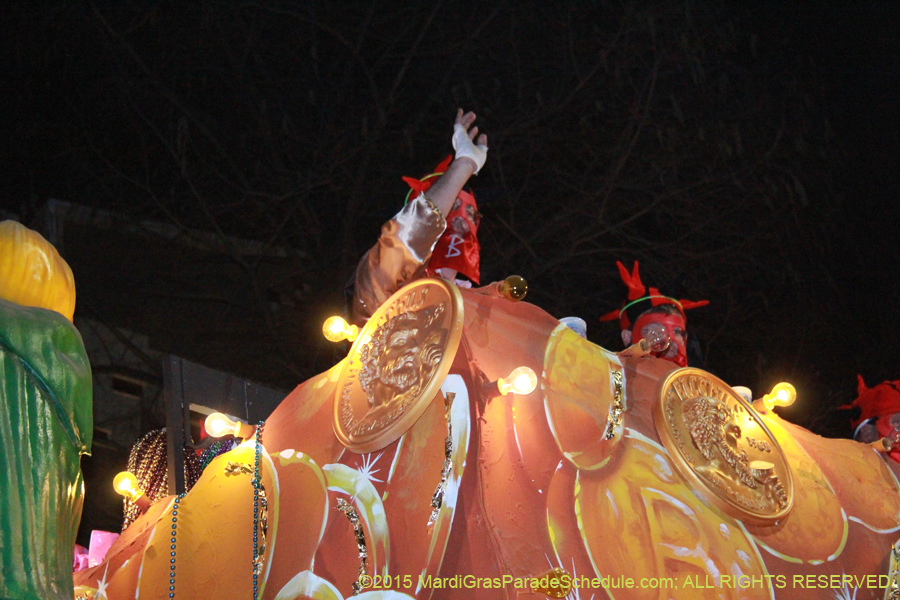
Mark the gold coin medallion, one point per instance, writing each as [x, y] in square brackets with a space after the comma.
[721, 446]
[397, 364]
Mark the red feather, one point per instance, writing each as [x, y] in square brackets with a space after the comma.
[611, 316]
[444, 164]
[415, 184]
[689, 304]
[632, 281]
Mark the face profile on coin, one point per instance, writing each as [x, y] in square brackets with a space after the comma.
[719, 444]
[397, 364]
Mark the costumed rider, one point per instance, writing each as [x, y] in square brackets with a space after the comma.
[434, 234]
[456, 256]
[879, 415]
[648, 314]
[46, 420]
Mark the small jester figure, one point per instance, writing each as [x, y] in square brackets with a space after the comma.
[46, 420]
[646, 310]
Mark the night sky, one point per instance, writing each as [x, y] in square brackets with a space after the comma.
[746, 153]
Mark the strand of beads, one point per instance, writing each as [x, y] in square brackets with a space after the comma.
[172, 555]
[260, 521]
[437, 499]
[147, 462]
[260, 512]
[362, 574]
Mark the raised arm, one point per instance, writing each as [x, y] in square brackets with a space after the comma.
[470, 156]
[406, 241]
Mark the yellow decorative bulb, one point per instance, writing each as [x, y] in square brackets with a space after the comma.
[336, 329]
[126, 484]
[783, 394]
[513, 288]
[218, 425]
[521, 381]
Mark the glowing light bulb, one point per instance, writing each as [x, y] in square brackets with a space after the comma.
[783, 394]
[126, 485]
[218, 425]
[336, 329]
[513, 288]
[656, 338]
[521, 381]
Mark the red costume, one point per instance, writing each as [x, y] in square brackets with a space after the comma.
[638, 309]
[879, 403]
[458, 247]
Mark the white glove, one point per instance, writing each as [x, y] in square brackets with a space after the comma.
[465, 147]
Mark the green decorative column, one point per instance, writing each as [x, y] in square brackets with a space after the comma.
[46, 424]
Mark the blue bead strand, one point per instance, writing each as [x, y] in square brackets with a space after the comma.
[172, 554]
[256, 485]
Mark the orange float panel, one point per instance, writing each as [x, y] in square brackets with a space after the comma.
[534, 486]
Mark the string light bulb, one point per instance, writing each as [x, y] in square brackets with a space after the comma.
[654, 341]
[336, 329]
[888, 443]
[783, 394]
[513, 288]
[885, 444]
[521, 381]
[218, 425]
[125, 484]
[656, 338]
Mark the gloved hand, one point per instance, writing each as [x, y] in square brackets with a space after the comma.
[464, 146]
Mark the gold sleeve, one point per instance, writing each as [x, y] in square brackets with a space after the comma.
[399, 257]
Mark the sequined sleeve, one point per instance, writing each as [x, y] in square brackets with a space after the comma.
[399, 257]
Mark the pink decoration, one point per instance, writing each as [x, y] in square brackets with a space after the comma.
[81, 558]
[100, 543]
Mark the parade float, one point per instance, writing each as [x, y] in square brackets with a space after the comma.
[472, 446]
